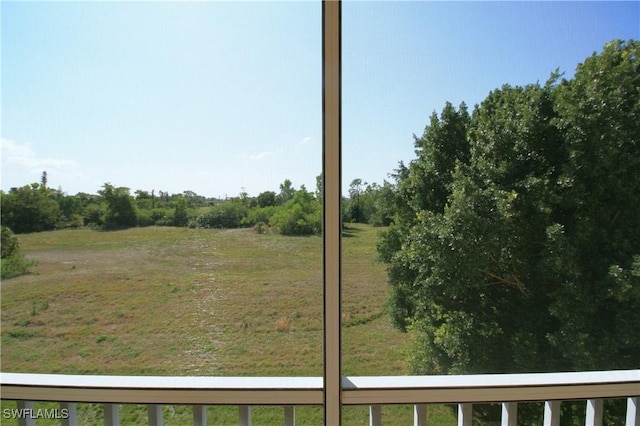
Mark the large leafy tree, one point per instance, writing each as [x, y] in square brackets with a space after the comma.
[31, 208]
[121, 210]
[516, 240]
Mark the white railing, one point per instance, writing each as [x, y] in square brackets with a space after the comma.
[420, 391]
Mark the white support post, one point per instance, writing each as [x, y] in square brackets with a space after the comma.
[375, 415]
[154, 414]
[245, 415]
[289, 415]
[633, 412]
[465, 412]
[26, 409]
[509, 414]
[199, 415]
[420, 415]
[552, 413]
[69, 413]
[111, 414]
[594, 412]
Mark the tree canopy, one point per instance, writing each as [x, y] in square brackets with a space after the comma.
[515, 244]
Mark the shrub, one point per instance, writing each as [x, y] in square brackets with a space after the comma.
[295, 221]
[9, 242]
[259, 215]
[13, 261]
[144, 218]
[229, 214]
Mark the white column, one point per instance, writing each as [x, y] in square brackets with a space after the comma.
[199, 415]
[594, 412]
[375, 415]
[154, 414]
[633, 412]
[245, 415]
[509, 414]
[552, 413]
[420, 415]
[26, 417]
[465, 412]
[111, 414]
[289, 415]
[69, 409]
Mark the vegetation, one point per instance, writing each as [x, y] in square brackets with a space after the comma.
[516, 242]
[180, 301]
[513, 245]
[13, 260]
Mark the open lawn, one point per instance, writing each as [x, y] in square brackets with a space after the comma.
[177, 301]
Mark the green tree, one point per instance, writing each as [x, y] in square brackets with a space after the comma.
[287, 191]
[121, 210]
[180, 213]
[227, 214]
[384, 204]
[355, 206]
[266, 199]
[301, 215]
[30, 208]
[515, 244]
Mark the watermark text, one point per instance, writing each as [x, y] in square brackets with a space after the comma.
[35, 413]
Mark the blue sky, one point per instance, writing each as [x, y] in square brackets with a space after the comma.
[224, 97]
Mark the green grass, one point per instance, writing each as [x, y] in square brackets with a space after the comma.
[176, 301]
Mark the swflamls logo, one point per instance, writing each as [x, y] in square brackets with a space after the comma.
[33, 413]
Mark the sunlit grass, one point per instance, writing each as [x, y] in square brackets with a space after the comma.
[175, 301]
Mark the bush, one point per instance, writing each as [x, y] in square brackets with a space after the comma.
[229, 214]
[295, 221]
[13, 261]
[94, 215]
[9, 242]
[301, 215]
[259, 215]
[144, 218]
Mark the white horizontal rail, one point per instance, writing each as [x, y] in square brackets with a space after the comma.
[465, 390]
[308, 390]
[490, 387]
[163, 390]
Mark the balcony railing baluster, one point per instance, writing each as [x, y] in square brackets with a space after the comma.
[594, 412]
[244, 412]
[509, 414]
[633, 412]
[26, 421]
[289, 415]
[420, 415]
[552, 413]
[155, 414]
[465, 411]
[111, 414]
[375, 415]
[199, 415]
[71, 418]
[287, 392]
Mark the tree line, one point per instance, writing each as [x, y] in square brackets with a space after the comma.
[37, 207]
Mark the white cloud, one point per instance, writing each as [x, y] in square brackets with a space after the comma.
[261, 155]
[24, 155]
[306, 141]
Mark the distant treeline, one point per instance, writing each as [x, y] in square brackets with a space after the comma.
[290, 211]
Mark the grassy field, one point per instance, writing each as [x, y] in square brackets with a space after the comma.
[193, 302]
